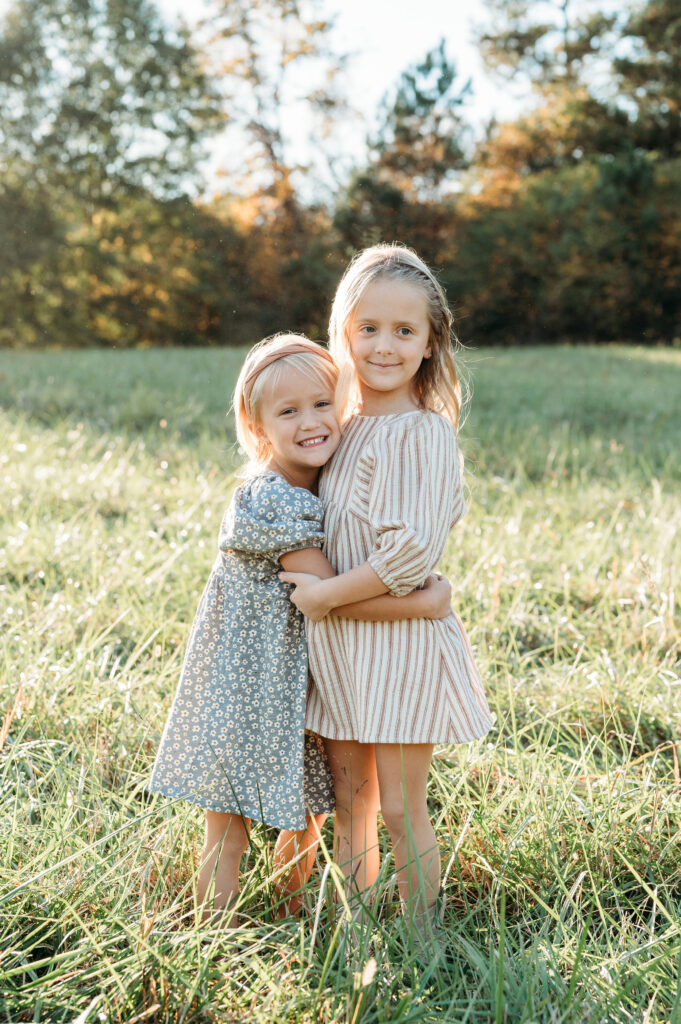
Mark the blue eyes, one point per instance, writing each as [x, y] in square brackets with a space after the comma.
[403, 332]
[323, 403]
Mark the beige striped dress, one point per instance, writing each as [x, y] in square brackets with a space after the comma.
[392, 492]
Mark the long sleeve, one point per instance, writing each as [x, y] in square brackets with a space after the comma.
[415, 497]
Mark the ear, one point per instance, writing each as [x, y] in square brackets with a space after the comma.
[428, 353]
[257, 432]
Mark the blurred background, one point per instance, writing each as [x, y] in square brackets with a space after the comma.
[177, 174]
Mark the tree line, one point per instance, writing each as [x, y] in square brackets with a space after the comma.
[564, 223]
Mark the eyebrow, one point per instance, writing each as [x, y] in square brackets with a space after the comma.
[373, 319]
[293, 400]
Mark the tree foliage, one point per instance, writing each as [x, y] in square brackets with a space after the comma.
[561, 223]
[259, 50]
[551, 43]
[102, 116]
[96, 96]
[585, 251]
[649, 74]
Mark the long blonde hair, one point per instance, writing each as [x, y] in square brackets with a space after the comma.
[436, 383]
[263, 365]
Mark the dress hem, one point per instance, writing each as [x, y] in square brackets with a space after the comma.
[401, 739]
[243, 812]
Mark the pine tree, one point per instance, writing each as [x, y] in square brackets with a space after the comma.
[421, 139]
[649, 74]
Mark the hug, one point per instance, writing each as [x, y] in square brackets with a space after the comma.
[325, 662]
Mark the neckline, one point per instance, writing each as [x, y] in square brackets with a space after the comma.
[389, 415]
[280, 476]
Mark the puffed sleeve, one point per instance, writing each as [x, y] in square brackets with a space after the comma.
[415, 497]
[269, 517]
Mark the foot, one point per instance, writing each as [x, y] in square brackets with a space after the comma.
[421, 930]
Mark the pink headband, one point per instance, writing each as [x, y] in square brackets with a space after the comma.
[290, 349]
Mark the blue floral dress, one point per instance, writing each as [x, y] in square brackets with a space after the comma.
[235, 738]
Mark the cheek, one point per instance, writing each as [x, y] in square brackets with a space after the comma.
[357, 345]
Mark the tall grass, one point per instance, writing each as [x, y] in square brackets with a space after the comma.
[560, 829]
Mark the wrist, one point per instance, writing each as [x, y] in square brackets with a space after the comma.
[325, 599]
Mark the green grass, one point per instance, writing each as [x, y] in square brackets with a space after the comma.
[561, 828]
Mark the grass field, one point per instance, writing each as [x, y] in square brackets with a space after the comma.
[560, 829]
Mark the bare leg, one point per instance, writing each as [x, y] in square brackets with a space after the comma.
[353, 767]
[298, 850]
[225, 841]
[402, 775]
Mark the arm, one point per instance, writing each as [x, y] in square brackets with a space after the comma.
[433, 602]
[316, 597]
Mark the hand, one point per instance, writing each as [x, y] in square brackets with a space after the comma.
[308, 596]
[439, 592]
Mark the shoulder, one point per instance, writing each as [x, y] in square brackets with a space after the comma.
[269, 496]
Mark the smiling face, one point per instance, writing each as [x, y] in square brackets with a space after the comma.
[298, 419]
[389, 336]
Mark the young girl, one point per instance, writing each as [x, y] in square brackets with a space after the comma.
[234, 742]
[385, 692]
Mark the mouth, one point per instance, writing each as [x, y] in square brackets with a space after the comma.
[383, 366]
[313, 442]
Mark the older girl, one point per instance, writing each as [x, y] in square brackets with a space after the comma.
[386, 692]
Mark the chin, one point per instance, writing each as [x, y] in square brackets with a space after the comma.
[318, 459]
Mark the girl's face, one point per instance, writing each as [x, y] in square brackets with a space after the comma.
[389, 334]
[299, 421]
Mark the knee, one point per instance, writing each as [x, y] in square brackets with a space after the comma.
[394, 814]
[230, 837]
[400, 816]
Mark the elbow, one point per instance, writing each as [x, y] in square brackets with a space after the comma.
[402, 577]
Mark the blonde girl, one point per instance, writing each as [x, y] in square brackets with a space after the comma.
[386, 692]
[235, 741]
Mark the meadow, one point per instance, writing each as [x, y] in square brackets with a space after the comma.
[560, 829]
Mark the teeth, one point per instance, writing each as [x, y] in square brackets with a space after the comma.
[312, 441]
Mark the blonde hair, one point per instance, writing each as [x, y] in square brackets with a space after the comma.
[436, 383]
[263, 366]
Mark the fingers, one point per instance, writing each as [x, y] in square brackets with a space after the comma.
[298, 578]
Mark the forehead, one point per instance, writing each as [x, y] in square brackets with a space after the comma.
[390, 298]
[288, 382]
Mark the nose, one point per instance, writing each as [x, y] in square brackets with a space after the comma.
[383, 342]
[310, 419]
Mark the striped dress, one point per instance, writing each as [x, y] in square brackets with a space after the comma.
[392, 492]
